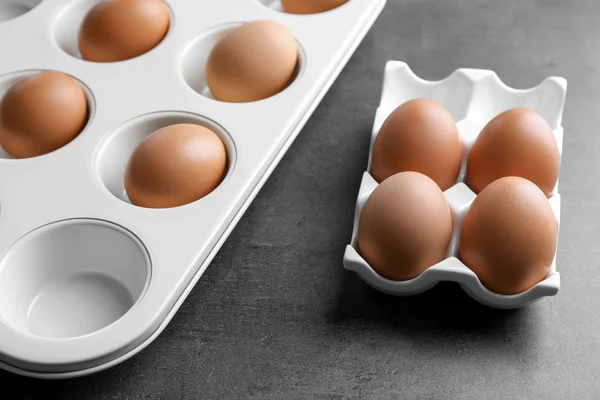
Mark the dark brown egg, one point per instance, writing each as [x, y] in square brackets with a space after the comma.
[310, 6]
[509, 236]
[405, 226]
[420, 135]
[117, 30]
[175, 165]
[41, 113]
[518, 142]
[254, 61]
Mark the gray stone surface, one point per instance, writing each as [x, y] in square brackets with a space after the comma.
[276, 316]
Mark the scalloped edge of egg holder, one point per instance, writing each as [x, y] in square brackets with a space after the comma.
[473, 97]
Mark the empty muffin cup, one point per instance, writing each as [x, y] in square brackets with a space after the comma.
[72, 278]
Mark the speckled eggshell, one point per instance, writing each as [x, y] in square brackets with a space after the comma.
[254, 61]
[509, 236]
[419, 135]
[41, 113]
[117, 30]
[174, 166]
[405, 226]
[518, 142]
[310, 6]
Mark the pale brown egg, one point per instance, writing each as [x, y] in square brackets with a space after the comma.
[41, 113]
[420, 135]
[509, 236]
[405, 226]
[310, 6]
[518, 142]
[175, 165]
[117, 30]
[254, 61]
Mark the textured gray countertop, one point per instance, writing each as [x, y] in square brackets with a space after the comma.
[276, 316]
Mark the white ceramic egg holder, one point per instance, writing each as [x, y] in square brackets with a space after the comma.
[473, 97]
[87, 280]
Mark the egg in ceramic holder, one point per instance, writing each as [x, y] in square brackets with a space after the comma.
[87, 279]
[473, 97]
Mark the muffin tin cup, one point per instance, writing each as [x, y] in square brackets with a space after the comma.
[67, 21]
[198, 51]
[88, 279]
[71, 278]
[12, 9]
[9, 80]
[473, 97]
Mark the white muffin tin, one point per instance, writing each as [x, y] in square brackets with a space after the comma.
[473, 97]
[87, 279]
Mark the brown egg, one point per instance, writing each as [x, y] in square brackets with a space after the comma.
[117, 30]
[405, 226]
[509, 236]
[518, 142]
[310, 6]
[254, 61]
[41, 113]
[175, 165]
[420, 135]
